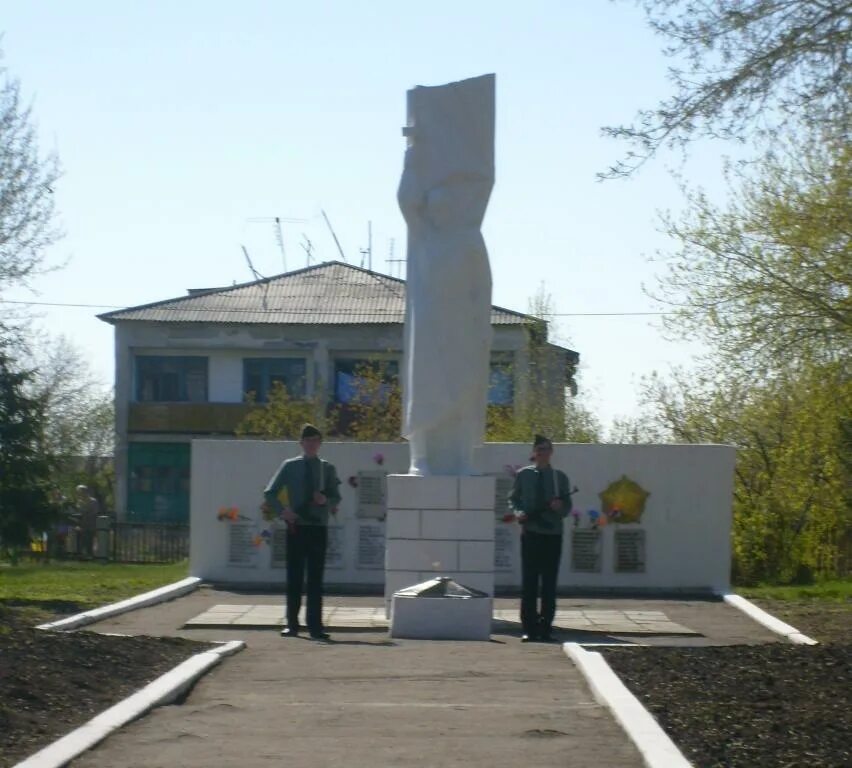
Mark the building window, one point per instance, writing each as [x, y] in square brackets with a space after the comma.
[171, 379]
[359, 378]
[260, 373]
[501, 381]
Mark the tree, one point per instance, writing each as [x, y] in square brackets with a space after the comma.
[547, 401]
[79, 418]
[747, 64]
[374, 412]
[768, 281]
[27, 181]
[281, 417]
[792, 503]
[25, 470]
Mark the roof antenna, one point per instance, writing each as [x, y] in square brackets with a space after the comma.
[336, 241]
[257, 275]
[276, 222]
[368, 251]
[308, 248]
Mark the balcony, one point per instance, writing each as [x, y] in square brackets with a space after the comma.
[193, 418]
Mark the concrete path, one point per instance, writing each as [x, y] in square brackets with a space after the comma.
[364, 700]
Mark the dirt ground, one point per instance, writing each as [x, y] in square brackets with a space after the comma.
[747, 706]
[51, 683]
[754, 706]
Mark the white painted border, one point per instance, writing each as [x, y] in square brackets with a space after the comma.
[655, 746]
[768, 620]
[163, 690]
[159, 595]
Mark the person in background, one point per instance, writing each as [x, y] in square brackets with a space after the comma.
[88, 510]
[541, 499]
[303, 491]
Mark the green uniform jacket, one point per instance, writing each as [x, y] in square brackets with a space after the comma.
[523, 499]
[291, 474]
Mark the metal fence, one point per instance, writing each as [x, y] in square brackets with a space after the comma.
[149, 542]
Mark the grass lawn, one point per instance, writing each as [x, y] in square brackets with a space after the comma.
[83, 584]
[837, 591]
[823, 611]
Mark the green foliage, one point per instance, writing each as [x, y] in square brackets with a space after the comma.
[87, 584]
[570, 422]
[375, 412]
[25, 470]
[743, 66]
[768, 281]
[281, 417]
[792, 510]
[544, 402]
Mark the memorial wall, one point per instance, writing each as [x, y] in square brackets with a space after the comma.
[649, 517]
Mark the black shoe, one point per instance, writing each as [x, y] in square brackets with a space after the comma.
[290, 632]
[547, 637]
[320, 636]
[528, 638]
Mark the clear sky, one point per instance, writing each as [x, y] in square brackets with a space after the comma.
[178, 122]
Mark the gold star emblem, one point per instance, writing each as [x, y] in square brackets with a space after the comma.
[623, 501]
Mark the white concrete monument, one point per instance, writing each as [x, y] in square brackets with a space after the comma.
[440, 519]
[443, 194]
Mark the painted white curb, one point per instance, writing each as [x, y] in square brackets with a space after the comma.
[768, 620]
[163, 690]
[159, 595]
[656, 748]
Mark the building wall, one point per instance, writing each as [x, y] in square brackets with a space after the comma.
[226, 346]
[686, 524]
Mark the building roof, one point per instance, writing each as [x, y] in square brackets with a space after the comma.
[332, 293]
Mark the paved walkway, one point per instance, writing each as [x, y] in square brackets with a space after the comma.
[366, 700]
[336, 617]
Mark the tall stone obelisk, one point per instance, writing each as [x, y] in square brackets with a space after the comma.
[440, 518]
[444, 191]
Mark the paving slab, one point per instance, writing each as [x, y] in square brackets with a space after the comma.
[364, 617]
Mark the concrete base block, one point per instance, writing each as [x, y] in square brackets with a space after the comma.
[439, 525]
[423, 618]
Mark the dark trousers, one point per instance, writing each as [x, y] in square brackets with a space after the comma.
[306, 546]
[540, 555]
[86, 537]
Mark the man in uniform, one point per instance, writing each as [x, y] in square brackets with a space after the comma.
[303, 491]
[541, 499]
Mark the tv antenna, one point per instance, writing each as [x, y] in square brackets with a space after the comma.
[391, 261]
[336, 241]
[308, 248]
[368, 251]
[278, 232]
[257, 275]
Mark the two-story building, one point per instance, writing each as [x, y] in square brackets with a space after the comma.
[183, 366]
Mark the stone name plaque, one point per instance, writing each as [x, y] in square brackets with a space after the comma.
[334, 551]
[585, 551]
[371, 546]
[504, 547]
[502, 489]
[372, 495]
[629, 551]
[241, 549]
[278, 546]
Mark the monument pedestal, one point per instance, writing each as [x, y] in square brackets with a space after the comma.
[439, 526]
[441, 609]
